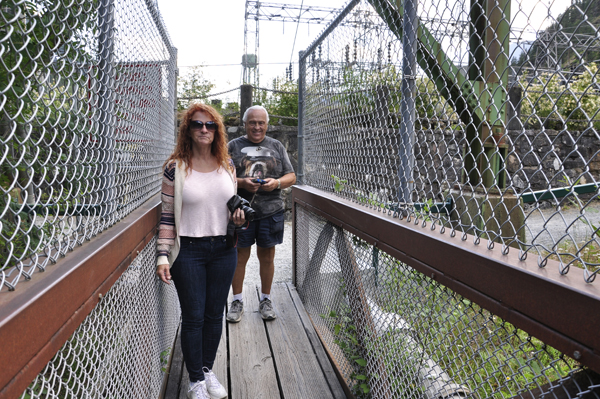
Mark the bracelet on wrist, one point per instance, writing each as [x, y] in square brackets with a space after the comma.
[278, 184]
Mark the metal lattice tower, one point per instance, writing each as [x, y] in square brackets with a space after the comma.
[552, 45]
[256, 11]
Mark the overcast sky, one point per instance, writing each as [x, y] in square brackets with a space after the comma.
[211, 33]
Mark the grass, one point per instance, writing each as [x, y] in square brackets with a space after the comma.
[583, 255]
[475, 347]
[587, 258]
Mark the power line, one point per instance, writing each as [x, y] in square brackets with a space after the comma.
[220, 65]
[295, 35]
[258, 10]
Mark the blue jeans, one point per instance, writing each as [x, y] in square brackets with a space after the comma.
[202, 274]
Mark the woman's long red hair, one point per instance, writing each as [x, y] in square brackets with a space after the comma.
[183, 148]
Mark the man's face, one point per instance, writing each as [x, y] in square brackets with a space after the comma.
[256, 125]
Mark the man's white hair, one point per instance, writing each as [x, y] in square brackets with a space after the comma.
[245, 118]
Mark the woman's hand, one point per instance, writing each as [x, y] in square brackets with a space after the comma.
[238, 217]
[164, 272]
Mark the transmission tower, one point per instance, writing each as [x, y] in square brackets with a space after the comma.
[550, 47]
[258, 11]
[364, 18]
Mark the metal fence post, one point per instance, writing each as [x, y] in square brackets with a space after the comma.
[513, 109]
[301, 73]
[175, 96]
[407, 105]
[106, 104]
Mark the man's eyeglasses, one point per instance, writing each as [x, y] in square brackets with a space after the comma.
[197, 125]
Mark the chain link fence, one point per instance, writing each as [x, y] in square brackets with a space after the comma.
[397, 333]
[497, 137]
[478, 120]
[110, 355]
[87, 98]
[87, 118]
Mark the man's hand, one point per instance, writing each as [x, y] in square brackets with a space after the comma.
[164, 273]
[286, 180]
[247, 184]
[270, 185]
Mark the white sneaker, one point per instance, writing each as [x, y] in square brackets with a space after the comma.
[214, 387]
[236, 310]
[198, 391]
[265, 307]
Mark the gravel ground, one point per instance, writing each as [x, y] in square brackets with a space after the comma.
[548, 226]
[283, 261]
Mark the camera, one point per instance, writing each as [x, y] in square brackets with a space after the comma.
[236, 202]
[261, 181]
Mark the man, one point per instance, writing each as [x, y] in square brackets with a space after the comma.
[263, 170]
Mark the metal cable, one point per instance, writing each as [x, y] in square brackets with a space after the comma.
[209, 95]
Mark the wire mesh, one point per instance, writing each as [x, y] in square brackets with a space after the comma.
[396, 333]
[87, 97]
[122, 348]
[496, 134]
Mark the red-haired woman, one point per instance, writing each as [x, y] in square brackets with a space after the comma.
[199, 179]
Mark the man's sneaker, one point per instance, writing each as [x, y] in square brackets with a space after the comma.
[214, 387]
[198, 391]
[266, 310]
[236, 310]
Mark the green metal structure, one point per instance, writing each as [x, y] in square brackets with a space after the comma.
[480, 97]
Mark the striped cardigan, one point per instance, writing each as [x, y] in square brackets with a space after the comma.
[167, 245]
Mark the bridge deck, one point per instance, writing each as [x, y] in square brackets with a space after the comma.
[282, 358]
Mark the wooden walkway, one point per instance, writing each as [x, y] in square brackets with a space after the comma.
[282, 358]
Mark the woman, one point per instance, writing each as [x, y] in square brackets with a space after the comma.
[199, 179]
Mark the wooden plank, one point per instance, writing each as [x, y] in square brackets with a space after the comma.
[185, 383]
[251, 362]
[299, 372]
[330, 374]
[176, 370]
[339, 363]
[220, 366]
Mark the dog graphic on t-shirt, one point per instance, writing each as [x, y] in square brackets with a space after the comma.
[258, 162]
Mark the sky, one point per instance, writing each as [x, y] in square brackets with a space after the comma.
[211, 33]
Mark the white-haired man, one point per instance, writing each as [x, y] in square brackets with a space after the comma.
[263, 170]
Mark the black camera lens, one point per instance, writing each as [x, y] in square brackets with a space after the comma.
[237, 202]
[248, 213]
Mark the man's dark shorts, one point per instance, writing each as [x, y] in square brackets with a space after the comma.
[266, 232]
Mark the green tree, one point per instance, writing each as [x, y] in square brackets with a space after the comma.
[193, 86]
[231, 113]
[360, 91]
[45, 104]
[581, 17]
[548, 101]
[284, 102]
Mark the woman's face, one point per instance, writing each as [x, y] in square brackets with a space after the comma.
[202, 135]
